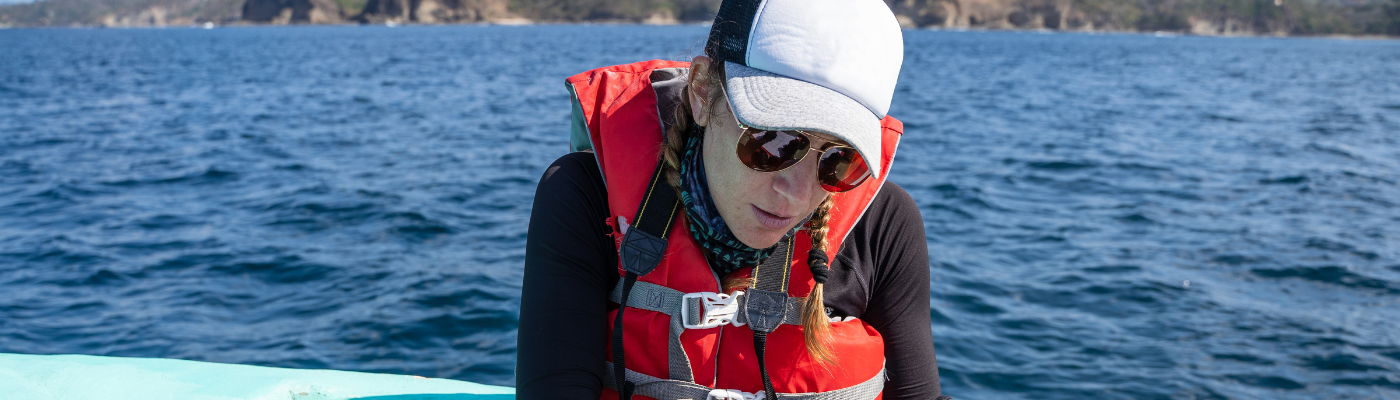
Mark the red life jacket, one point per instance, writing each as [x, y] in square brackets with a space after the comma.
[619, 111]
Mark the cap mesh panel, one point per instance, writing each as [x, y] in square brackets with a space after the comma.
[729, 35]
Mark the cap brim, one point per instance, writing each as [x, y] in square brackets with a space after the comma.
[765, 100]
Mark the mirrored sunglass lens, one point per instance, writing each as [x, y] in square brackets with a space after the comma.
[769, 151]
[842, 169]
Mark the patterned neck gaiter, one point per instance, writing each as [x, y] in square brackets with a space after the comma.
[726, 253]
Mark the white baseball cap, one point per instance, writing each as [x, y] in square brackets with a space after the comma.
[813, 65]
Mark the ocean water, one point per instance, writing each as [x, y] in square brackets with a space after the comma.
[1108, 216]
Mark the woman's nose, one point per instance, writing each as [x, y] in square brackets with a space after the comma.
[798, 182]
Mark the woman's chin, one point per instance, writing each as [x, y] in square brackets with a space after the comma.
[760, 238]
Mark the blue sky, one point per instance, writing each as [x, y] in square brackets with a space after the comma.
[8, 2]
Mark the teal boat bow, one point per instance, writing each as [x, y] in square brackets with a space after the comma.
[78, 377]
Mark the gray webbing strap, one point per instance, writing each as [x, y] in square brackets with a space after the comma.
[793, 316]
[668, 389]
[766, 304]
[772, 274]
[650, 296]
[677, 362]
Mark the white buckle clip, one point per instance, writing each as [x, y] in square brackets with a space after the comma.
[718, 309]
[730, 394]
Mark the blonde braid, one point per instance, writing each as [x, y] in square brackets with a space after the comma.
[675, 140]
[816, 328]
[679, 132]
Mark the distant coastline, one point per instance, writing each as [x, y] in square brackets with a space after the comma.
[1323, 18]
[523, 22]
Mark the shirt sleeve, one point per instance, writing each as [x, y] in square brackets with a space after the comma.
[893, 232]
[570, 265]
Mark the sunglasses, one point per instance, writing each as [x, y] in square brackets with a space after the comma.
[839, 169]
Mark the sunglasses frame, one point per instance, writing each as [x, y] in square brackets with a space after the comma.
[745, 129]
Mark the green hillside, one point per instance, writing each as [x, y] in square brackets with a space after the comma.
[119, 12]
[1207, 17]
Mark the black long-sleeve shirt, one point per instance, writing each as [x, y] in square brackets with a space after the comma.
[880, 275]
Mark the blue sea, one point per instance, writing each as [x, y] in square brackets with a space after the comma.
[1108, 216]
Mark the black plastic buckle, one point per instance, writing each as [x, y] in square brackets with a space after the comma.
[641, 251]
[764, 309]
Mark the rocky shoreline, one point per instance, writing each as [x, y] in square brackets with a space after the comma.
[190, 24]
[1189, 17]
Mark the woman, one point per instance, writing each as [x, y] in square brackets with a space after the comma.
[724, 230]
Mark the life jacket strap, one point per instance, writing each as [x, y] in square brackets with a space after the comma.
[643, 246]
[688, 311]
[766, 304]
[625, 388]
[668, 389]
[699, 310]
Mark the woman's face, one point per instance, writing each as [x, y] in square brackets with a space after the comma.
[759, 207]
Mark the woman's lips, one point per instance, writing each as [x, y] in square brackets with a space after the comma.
[770, 220]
